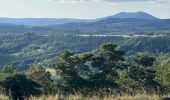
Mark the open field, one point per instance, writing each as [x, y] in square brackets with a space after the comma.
[118, 35]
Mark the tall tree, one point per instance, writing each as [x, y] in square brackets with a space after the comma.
[70, 67]
[144, 72]
[106, 64]
[91, 71]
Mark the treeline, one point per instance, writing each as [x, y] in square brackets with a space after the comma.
[101, 72]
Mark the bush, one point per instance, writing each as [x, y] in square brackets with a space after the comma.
[19, 87]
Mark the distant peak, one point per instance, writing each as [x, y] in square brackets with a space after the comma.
[137, 15]
[140, 12]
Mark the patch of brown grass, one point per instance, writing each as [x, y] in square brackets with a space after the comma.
[111, 97]
[2, 97]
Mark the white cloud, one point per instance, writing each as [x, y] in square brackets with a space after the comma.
[160, 4]
[73, 1]
[152, 3]
[136, 0]
[80, 1]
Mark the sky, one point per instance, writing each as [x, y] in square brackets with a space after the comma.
[81, 9]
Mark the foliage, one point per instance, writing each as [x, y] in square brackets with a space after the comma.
[68, 68]
[8, 69]
[144, 73]
[105, 68]
[107, 63]
[144, 60]
[39, 75]
[19, 87]
[25, 48]
[89, 71]
[163, 73]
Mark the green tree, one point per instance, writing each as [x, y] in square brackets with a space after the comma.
[144, 73]
[144, 60]
[19, 87]
[163, 73]
[39, 74]
[106, 65]
[69, 67]
[8, 69]
[89, 71]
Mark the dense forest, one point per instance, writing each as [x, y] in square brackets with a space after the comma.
[102, 71]
[23, 49]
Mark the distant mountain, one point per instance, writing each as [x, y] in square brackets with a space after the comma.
[56, 21]
[116, 25]
[39, 21]
[136, 15]
[138, 22]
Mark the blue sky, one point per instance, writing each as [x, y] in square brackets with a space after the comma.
[82, 9]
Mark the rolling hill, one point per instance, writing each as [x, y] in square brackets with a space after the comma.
[55, 21]
[116, 25]
[138, 22]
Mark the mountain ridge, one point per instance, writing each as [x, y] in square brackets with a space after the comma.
[136, 15]
[98, 26]
[57, 21]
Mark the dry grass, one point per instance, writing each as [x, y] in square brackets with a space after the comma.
[2, 97]
[80, 97]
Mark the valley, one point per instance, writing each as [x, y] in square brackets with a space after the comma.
[126, 55]
[23, 50]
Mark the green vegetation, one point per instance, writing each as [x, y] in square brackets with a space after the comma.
[19, 87]
[25, 49]
[84, 67]
[111, 58]
[39, 75]
[163, 73]
[103, 73]
[90, 72]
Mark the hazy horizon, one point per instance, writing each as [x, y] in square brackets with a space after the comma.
[81, 9]
[74, 18]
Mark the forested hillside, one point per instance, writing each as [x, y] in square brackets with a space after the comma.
[126, 55]
[105, 72]
[23, 49]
